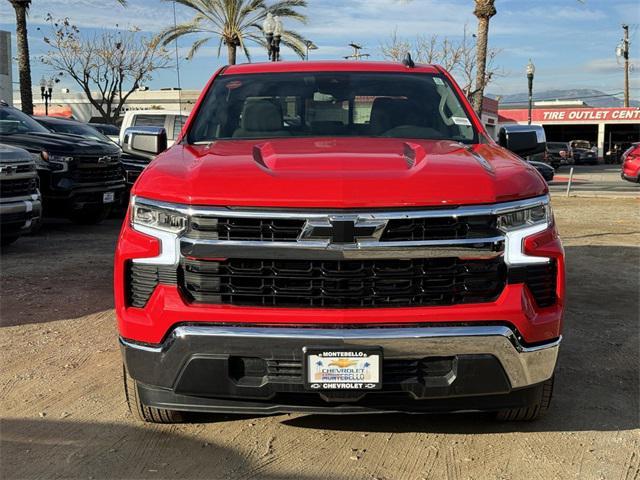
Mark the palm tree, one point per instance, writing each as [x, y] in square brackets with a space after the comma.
[234, 23]
[24, 67]
[484, 10]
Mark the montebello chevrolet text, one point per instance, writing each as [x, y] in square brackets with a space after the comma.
[338, 237]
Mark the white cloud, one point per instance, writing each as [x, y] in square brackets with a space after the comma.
[602, 65]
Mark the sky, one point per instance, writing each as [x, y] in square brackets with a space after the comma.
[571, 42]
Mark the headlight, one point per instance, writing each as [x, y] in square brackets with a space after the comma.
[47, 157]
[158, 218]
[540, 214]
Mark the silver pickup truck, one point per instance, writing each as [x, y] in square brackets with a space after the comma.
[20, 202]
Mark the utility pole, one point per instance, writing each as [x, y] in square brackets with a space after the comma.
[625, 54]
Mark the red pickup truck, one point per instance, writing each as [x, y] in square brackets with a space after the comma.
[338, 237]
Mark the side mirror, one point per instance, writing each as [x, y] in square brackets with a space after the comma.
[523, 139]
[144, 142]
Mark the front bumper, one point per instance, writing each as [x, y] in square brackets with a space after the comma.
[132, 169]
[83, 196]
[259, 369]
[19, 216]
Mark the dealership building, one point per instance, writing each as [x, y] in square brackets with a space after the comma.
[609, 129]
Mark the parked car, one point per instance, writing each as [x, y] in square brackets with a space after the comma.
[394, 260]
[559, 153]
[583, 153]
[171, 120]
[20, 203]
[79, 178]
[631, 163]
[72, 127]
[111, 131]
[547, 171]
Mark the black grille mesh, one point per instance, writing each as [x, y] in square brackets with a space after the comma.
[444, 228]
[343, 283]
[18, 187]
[394, 370]
[541, 281]
[246, 229]
[92, 173]
[142, 280]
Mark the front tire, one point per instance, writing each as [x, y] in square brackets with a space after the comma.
[531, 412]
[143, 413]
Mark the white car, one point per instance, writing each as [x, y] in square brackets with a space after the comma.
[171, 120]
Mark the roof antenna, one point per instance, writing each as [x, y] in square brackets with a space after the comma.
[408, 62]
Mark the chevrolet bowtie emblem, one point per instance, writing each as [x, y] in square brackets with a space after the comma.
[343, 230]
[343, 363]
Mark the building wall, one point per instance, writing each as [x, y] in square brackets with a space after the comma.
[604, 122]
[76, 105]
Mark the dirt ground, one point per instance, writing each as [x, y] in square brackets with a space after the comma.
[64, 416]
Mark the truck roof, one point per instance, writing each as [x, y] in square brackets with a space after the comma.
[326, 66]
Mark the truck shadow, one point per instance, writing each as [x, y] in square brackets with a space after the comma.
[64, 271]
[45, 448]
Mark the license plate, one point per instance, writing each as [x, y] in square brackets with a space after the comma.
[343, 368]
[108, 197]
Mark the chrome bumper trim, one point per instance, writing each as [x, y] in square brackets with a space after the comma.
[523, 365]
[309, 250]
[322, 214]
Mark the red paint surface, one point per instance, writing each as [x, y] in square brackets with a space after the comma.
[631, 164]
[334, 173]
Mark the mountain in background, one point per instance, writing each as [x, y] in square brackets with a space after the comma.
[594, 98]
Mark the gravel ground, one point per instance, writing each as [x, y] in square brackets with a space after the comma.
[64, 416]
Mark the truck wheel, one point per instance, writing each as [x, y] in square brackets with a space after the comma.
[8, 239]
[533, 411]
[142, 412]
[90, 215]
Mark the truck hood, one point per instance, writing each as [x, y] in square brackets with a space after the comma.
[59, 144]
[338, 173]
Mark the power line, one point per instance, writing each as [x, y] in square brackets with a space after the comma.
[567, 98]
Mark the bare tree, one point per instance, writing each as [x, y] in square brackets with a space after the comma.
[108, 66]
[458, 57]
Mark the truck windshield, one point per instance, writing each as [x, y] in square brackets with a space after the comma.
[13, 121]
[79, 129]
[343, 104]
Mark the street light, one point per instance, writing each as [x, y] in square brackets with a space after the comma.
[531, 70]
[273, 30]
[46, 92]
[310, 46]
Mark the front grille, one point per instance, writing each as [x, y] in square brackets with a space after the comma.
[343, 283]
[440, 228]
[397, 230]
[141, 281]
[95, 173]
[18, 187]
[246, 229]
